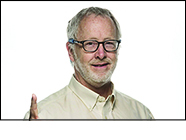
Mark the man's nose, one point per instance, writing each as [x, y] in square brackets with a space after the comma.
[101, 53]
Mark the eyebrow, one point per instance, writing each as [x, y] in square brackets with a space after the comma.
[94, 38]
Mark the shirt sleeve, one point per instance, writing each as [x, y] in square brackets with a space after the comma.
[27, 115]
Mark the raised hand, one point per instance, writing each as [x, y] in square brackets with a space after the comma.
[33, 108]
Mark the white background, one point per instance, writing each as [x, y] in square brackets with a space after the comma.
[151, 66]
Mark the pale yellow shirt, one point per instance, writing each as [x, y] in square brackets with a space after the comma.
[75, 101]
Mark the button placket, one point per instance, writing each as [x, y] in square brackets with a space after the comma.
[107, 109]
[99, 105]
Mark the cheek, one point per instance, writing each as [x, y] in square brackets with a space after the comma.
[84, 57]
[113, 57]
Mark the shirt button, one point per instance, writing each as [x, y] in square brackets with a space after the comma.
[101, 99]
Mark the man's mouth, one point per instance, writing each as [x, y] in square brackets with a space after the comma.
[100, 65]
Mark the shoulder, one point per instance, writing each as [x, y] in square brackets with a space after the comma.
[53, 98]
[128, 99]
[133, 104]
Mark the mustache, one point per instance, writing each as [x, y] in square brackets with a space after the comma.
[100, 61]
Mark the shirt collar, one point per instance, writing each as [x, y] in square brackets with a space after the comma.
[87, 96]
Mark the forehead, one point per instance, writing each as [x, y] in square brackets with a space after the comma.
[96, 26]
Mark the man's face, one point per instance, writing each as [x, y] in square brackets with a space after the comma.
[95, 68]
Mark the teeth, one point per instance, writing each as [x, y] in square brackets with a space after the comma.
[99, 65]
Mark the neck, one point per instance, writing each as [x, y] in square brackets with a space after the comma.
[102, 89]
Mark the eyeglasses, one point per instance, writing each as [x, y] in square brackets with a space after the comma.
[93, 45]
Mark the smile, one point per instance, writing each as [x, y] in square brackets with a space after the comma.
[103, 65]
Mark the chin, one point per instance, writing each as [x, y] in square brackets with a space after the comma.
[98, 80]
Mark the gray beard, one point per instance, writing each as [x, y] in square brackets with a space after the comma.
[91, 77]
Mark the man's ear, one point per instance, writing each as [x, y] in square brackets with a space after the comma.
[70, 52]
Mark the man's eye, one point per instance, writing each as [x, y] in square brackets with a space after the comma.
[90, 43]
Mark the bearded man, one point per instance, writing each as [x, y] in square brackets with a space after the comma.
[93, 45]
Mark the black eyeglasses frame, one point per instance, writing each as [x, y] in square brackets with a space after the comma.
[71, 40]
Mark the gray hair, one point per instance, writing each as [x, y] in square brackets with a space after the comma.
[73, 24]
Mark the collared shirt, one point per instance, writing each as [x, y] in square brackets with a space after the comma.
[75, 101]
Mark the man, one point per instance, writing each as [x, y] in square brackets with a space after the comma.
[93, 42]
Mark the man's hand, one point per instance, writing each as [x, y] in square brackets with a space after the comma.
[33, 108]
